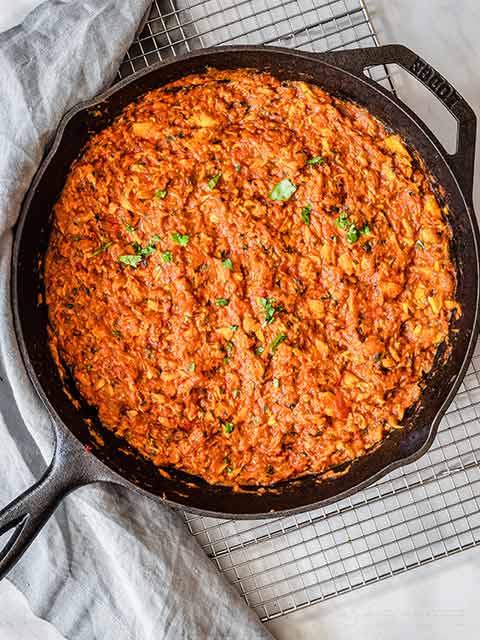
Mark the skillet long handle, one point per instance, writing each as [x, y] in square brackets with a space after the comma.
[27, 513]
[462, 160]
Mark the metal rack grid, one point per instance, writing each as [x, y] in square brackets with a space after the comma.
[428, 510]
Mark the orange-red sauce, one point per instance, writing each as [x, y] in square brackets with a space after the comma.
[244, 338]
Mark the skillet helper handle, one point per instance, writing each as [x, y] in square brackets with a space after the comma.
[27, 513]
[462, 160]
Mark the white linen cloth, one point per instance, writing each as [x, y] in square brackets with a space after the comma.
[109, 564]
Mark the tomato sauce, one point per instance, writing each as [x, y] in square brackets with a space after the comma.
[248, 278]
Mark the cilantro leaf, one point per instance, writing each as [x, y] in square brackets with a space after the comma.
[131, 260]
[222, 302]
[212, 183]
[283, 190]
[160, 194]
[228, 427]
[305, 213]
[167, 256]
[270, 309]
[277, 342]
[228, 264]
[316, 160]
[180, 239]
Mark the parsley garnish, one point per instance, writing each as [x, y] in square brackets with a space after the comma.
[234, 327]
[129, 228]
[353, 234]
[305, 213]
[237, 168]
[102, 248]
[283, 190]
[259, 350]
[276, 383]
[191, 367]
[116, 333]
[140, 252]
[160, 194]
[228, 264]
[222, 302]
[316, 160]
[270, 309]
[277, 342]
[180, 239]
[228, 427]
[342, 220]
[212, 183]
[167, 256]
[131, 260]
[420, 244]
[229, 347]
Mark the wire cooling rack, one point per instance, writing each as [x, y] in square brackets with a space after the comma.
[426, 511]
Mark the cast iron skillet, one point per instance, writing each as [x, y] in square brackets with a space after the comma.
[78, 458]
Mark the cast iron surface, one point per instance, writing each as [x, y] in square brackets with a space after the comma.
[79, 459]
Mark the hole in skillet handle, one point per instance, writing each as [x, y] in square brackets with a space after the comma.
[461, 161]
[26, 514]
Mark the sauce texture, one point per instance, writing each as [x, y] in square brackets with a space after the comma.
[248, 278]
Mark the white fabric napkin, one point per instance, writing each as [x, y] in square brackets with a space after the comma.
[109, 564]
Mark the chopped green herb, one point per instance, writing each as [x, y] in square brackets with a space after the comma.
[160, 194]
[342, 220]
[76, 238]
[141, 252]
[191, 367]
[237, 168]
[316, 160]
[352, 233]
[88, 367]
[225, 360]
[228, 427]
[69, 305]
[229, 347]
[276, 383]
[129, 228]
[212, 183]
[228, 264]
[234, 327]
[131, 260]
[420, 244]
[277, 342]
[116, 333]
[306, 211]
[180, 239]
[102, 248]
[167, 256]
[235, 393]
[222, 302]
[259, 350]
[283, 190]
[270, 309]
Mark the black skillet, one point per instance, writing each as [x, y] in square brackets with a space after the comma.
[78, 458]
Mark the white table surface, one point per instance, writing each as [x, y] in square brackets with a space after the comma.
[439, 601]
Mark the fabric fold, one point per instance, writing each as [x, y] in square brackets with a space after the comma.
[109, 564]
